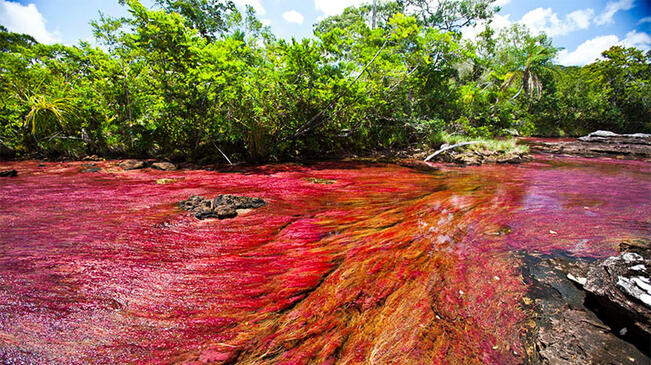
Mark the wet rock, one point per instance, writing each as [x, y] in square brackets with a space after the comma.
[620, 286]
[90, 168]
[132, 164]
[583, 314]
[222, 207]
[9, 173]
[165, 166]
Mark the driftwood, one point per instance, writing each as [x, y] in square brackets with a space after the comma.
[446, 148]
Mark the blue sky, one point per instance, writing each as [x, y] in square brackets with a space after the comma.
[583, 28]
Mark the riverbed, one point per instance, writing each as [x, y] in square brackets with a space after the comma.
[347, 263]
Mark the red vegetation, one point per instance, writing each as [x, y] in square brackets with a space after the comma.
[385, 265]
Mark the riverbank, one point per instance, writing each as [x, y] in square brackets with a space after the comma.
[597, 144]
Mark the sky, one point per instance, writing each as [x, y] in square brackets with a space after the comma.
[582, 28]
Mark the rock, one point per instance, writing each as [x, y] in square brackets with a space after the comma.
[476, 158]
[222, 207]
[566, 327]
[92, 158]
[90, 168]
[166, 181]
[165, 166]
[620, 286]
[610, 137]
[9, 173]
[132, 164]
[319, 181]
[599, 144]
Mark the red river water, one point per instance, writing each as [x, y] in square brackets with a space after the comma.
[383, 265]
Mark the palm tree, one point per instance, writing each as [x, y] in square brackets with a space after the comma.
[535, 56]
[43, 107]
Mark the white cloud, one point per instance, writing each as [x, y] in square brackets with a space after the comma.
[606, 17]
[25, 19]
[538, 20]
[266, 22]
[639, 40]
[256, 4]
[545, 20]
[590, 50]
[645, 20]
[501, 2]
[587, 52]
[334, 7]
[498, 23]
[293, 16]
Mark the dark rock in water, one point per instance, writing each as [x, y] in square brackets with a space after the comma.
[132, 164]
[9, 173]
[90, 167]
[589, 312]
[620, 287]
[165, 166]
[222, 207]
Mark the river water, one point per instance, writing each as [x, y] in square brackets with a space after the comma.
[348, 263]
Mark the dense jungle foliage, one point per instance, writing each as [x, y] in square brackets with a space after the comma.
[195, 79]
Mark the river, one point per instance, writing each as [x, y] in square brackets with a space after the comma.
[348, 262]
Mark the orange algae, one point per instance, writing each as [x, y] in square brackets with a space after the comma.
[385, 265]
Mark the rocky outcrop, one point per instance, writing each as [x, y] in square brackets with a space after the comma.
[9, 173]
[599, 144]
[222, 207]
[590, 312]
[479, 157]
[620, 287]
[614, 138]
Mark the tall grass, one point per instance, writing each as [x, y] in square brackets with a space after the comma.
[495, 145]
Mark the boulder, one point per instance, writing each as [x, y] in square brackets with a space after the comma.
[9, 173]
[222, 207]
[132, 164]
[620, 287]
[165, 166]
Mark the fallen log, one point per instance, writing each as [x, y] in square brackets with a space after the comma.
[446, 148]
